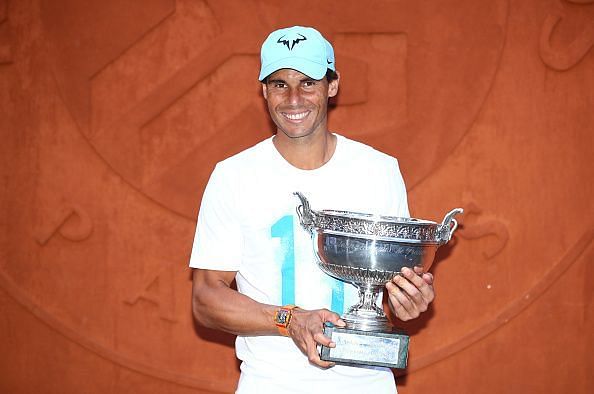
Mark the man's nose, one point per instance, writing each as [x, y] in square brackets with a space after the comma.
[295, 95]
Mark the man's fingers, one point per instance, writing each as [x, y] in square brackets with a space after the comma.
[307, 332]
[410, 292]
[334, 318]
[413, 277]
[321, 363]
[312, 351]
[409, 288]
[323, 340]
[403, 307]
[416, 287]
[427, 276]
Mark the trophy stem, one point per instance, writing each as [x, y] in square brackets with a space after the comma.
[367, 315]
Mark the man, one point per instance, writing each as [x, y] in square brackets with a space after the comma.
[248, 231]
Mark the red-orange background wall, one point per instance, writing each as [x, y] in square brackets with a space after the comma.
[113, 113]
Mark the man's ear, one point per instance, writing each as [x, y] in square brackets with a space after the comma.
[333, 86]
[265, 91]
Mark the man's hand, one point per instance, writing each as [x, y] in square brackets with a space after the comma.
[306, 330]
[411, 293]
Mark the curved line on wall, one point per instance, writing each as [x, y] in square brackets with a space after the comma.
[512, 310]
[580, 1]
[140, 116]
[220, 47]
[574, 53]
[439, 163]
[22, 298]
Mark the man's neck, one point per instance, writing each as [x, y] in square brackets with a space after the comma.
[306, 153]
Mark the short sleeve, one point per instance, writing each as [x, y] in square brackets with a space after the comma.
[218, 240]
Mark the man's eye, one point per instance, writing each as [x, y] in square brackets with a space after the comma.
[279, 85]
[309, 83]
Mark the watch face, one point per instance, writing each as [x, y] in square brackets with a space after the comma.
[282, 317]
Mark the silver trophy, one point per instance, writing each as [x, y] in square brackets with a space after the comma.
[368, 251]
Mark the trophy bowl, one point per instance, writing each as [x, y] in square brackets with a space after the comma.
[370, 250]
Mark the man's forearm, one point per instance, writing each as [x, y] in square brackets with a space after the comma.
[216, 305]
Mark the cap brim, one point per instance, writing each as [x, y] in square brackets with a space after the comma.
[311, 69]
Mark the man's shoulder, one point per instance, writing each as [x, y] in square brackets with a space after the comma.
[249, 156]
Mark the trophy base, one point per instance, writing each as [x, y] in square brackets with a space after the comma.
[357, 347]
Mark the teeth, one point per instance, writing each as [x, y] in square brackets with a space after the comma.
[296, 116]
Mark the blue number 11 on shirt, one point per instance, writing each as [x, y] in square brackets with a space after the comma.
[283, 229]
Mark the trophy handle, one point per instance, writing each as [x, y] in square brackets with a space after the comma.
[305, 214]
[451, 223]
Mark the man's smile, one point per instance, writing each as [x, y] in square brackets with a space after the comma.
[295, 116]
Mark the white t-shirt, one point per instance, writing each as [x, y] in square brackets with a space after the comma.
[248, 223]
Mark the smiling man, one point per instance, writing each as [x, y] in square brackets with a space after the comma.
[248, 231]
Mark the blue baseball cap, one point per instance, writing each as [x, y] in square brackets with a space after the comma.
[300, 48]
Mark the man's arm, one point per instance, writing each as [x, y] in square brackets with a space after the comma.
[216, 305]
[411, 293]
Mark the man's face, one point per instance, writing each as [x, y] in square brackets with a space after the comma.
[298, 104]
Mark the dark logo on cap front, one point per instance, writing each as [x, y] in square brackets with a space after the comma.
[290, 40]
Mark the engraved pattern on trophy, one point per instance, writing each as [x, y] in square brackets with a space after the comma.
[416, 231]
[328, 221]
